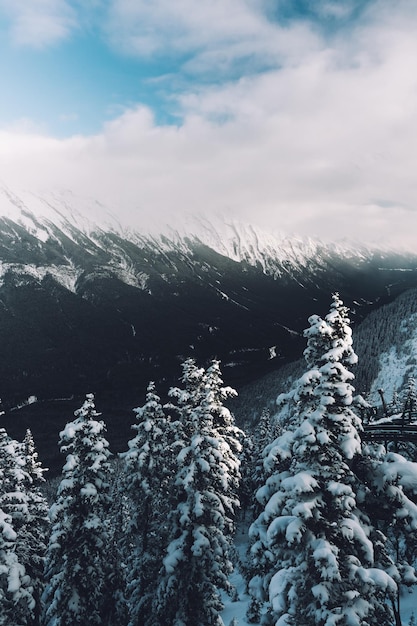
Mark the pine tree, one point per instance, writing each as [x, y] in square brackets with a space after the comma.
[34, 531]
[17, 594]
[33, 467]
[76, 570]
[17, 604]
[277, 457]
[410, 405]
[330, 564]
[119, 547]
[148, 474]
[248, 483]
[198, 562]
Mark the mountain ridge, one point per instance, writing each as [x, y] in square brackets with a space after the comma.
[124, 307]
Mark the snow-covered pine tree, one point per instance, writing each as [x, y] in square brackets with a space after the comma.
[252, 466]
[76, 565]
[32, 465]
[17, 594]
[330, 564]
[34, 531]
[390, 500]
[277, 458]
[17, 604]
[247, 483]
[198, 562]
[119, 546]
[148, 473]
[410, 404]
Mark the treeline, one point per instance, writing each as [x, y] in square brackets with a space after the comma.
[151, 545]
[382, 330]
[148, 541]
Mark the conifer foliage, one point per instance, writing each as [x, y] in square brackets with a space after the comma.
[318, 558]
[197, 563]
[76, 572]
[33, 536]
[333, 539]
[18, 601]
[147, 471]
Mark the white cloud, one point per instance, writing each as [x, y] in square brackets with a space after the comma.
[212, 35]
[324, 145]
[38, 23]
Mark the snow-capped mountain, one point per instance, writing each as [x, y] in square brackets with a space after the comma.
[103, 308]
[87, 307]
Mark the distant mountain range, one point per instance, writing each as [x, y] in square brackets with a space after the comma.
[88, 308]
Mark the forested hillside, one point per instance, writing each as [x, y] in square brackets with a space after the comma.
[84, 307]
[148, 538]
[386, 345]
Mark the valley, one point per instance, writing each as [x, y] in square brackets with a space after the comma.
[87, 308]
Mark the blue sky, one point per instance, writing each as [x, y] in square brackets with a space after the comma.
[70, 66]
[300, 115]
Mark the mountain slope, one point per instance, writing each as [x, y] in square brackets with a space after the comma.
[86, 308]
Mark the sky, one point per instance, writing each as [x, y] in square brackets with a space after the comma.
[299, 116]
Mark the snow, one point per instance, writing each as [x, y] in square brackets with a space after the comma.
[320, 592]
[200, 541]
[65, 275]
[89, 491]
[396, 364]
[303, 482]
[396, 467]
[325, 556]
[16, 574]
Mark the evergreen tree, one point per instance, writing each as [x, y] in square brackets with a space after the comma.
[395, 402]
[120, 545]
[248, 483]
[17, 594]
[12, 492]
[323, 561]
[277, 456]
[410, 405]
[76, 570]
[34, 531]
[17, 604]
[198, 562]
[32, 465]
[148, 474]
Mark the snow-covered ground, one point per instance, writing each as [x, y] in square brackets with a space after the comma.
[236, 608]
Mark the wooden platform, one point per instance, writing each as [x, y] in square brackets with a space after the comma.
[392, 431]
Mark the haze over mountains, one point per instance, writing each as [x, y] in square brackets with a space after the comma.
[105, 309]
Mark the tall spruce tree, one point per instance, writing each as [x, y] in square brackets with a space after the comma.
[198, 561]
[148, 473]
[18, 601]
[34, 531]
[277, 459]
[320, 560]
[76, 565]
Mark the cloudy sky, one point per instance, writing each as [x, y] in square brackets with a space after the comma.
[296, 115]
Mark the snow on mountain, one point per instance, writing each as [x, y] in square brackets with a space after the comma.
[63, 209]
[64, 275]
[209, 287]
[275, 253]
